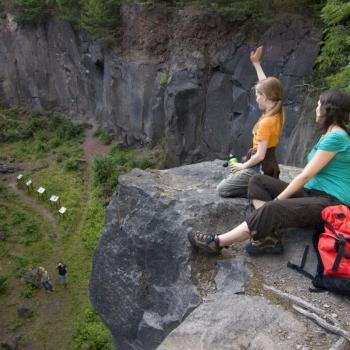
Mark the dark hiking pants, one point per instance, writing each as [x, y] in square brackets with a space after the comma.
[302, 210]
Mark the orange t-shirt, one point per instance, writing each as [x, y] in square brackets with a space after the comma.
[268, 129]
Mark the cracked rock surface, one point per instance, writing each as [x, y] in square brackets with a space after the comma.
[153, 291]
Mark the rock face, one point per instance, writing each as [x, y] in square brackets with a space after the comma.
[146, 280]
[141, 279]
[187, 85]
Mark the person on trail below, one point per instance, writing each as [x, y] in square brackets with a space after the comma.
[45, 279]
[325, 181]
[62, 273]
[266, 135]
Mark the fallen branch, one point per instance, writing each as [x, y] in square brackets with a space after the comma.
[305, 304]
[324, 324]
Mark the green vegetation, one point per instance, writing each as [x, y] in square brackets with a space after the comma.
[48, 147]
[45, 144]
[334, 60]
[3, 284]
[91, 334]
[107, 169]
[164, 78]
[104, 137]
[102, 18]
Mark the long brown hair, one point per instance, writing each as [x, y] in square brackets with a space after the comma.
[271, 88]
[335, 109]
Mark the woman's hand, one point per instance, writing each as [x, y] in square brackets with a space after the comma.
[255, 56]
[237, 166]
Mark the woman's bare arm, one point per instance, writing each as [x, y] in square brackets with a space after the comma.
[319, 161]
[258, 157]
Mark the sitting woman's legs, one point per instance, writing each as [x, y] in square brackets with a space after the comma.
[275, 215]
[236, 184]
[266, 188]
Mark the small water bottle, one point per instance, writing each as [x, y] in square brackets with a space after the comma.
[232, 161]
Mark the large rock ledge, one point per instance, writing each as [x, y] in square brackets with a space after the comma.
[146, 281]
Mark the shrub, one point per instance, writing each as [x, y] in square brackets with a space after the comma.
[91, 333]
[102, 18]
[103, 169]
[105, 137]
[71, 164]
[333, 61]
[163, 79]
[33, 11]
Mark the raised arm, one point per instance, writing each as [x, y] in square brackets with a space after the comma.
[255, 59]
[319, 161]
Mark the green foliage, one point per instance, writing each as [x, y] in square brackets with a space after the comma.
[103, 169]
[239, 11]
[16, 223]
[91, 333]
[34, 11]
[36, 134]
[260, 11]
[107, 169]
[105, 137]
[21, 266]
[29, 291]
[163, 79]
[333, 62]
[3, 284]
[94, 220]
[101, 18]
[335, 12]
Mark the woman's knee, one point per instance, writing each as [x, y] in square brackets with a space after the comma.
[255, 186]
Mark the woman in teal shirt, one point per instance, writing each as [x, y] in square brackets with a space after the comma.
[324, 181]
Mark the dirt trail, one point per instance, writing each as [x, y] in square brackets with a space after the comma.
[93, 146]
[35, 204]
[56, 302]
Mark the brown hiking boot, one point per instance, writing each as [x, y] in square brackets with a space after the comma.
[206, 242]
[269, 245]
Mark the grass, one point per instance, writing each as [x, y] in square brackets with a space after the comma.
[48, 149]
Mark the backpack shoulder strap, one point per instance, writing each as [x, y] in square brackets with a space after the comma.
[300, 268]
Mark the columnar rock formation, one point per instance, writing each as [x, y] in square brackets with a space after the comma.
[178, 77]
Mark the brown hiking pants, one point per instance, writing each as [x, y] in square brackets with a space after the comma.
[302, 210]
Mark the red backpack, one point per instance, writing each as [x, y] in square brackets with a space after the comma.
[332, 246]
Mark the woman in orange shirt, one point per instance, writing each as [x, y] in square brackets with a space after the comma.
[266, 135]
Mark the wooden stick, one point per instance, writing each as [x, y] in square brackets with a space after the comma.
[305, 304]
[324, 324]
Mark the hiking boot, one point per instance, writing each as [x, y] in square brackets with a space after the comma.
[266, 246]
[208, 243]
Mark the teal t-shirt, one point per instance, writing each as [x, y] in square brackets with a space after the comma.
[334, 178]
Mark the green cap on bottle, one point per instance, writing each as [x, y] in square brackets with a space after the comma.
[232, 161]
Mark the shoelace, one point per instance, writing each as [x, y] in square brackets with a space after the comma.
[203, 237]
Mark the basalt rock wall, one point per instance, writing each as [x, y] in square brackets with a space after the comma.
[180, 77]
